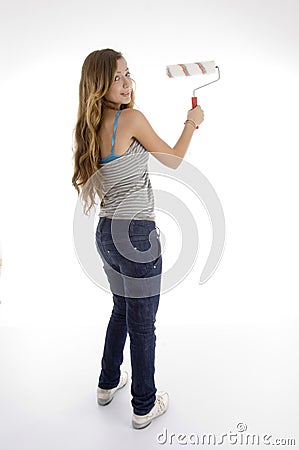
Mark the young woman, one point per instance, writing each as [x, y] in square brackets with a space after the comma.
[112, 145]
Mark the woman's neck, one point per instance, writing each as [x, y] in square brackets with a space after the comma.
[110, 105]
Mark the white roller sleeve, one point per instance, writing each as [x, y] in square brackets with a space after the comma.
[199, 68]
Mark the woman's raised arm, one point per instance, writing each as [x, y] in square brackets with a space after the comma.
[172, 157]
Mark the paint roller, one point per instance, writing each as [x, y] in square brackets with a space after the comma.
[198, 68]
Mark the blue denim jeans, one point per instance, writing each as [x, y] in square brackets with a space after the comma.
[132, 260]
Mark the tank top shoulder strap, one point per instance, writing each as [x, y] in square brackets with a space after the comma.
[114, 130]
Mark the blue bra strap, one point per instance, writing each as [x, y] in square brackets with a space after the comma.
[114, 130]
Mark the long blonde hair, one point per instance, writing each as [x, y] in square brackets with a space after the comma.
[97, 76]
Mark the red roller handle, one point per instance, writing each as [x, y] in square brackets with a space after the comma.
[194, 104]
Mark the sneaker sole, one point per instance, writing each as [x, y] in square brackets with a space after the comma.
[138, 426]
[104, 402]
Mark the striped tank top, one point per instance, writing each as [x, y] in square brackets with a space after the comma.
[126, 186]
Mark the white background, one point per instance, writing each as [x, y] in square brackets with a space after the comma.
[226, 350]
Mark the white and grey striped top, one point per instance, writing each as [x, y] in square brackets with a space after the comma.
[126, 186]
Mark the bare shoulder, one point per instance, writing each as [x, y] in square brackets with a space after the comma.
[136, 122]
[133, 116]
[140, 128]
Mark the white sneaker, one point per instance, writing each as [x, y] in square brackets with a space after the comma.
[105, 396]
[159, 408]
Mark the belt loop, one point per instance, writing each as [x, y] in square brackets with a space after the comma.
[101, 224]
